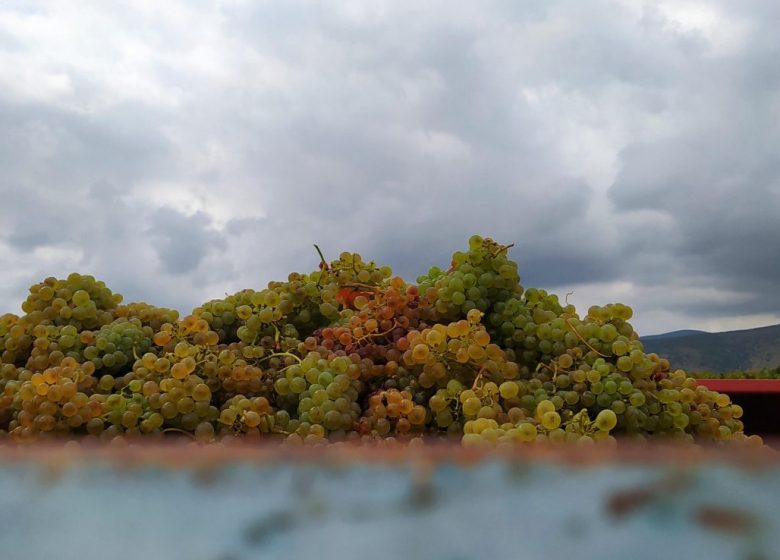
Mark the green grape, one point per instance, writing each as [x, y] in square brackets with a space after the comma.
[551, 420]
[606, 420]
[509, 389]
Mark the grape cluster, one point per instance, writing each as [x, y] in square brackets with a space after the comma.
[459, 351]
[148, 315]
[321, 391]
[546, 426]
[392, 412]
[478, 279]
[378, 319]
[117, 344]
[55, 401]
[285, 312]
[51, 344]
[348, 352]
[241, 415]
[80, 302]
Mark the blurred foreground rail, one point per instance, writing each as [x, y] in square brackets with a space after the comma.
[241, 501]
[179, 453]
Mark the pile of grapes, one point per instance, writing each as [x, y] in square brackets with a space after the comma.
[348, 352]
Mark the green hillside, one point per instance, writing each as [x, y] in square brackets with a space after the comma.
[743, 350]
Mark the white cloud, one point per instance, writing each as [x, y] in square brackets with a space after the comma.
[725, 34]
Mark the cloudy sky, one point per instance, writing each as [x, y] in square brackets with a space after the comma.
[180, 150]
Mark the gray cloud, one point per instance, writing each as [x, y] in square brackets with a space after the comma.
[715, 177]
[625, 146]
[181, 241]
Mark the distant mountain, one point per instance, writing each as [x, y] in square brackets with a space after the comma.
[720, 352]
[673, 334]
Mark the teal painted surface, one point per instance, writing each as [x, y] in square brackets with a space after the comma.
[493, 510]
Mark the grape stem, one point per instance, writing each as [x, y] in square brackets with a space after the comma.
[360, 285]
[323, 262]
[477, 378]
[323, 265]
[585, 342]
[554, 370]
[581, 422]
[277, 354]
[363, 338]
[501, 248]
[189, 435]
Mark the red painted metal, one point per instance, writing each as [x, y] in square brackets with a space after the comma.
[762, 386]
[759, 399]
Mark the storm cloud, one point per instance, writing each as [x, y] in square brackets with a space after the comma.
[182, 151]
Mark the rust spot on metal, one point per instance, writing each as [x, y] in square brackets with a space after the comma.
[726, 519]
